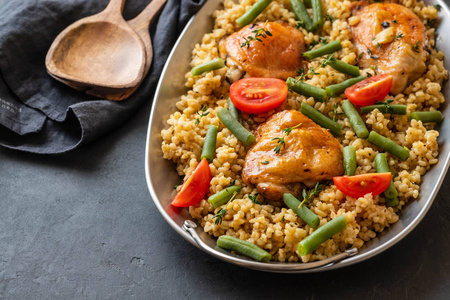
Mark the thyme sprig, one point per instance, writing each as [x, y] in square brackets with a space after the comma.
[334, 111]
[387, 105]
[371, 55]
[280, 140]
[201, 113]
[254, 198]
[322, 40]
[328, 59]
[312, 71]
[301, 73]
[307, 196]
[259, 33]
[330, 18]
[221, 213]
[415, 47]
[399, 35]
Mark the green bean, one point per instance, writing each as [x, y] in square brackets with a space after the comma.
[235, 127]
[301, 14]
[426, 116]
[390, 194]
[388, 145]
[321, 235]
[309, 111]
[307, 3]
[344, 67]
[244, 247]
[216, 63]
[336, 90]
[209, 145]
[223, 196]
[317, 12]
[396, 109]
[234, 111]
[307, 90]
[303, 212]
[324, 50]
[349, 153]
[253, 12]
[355, 119]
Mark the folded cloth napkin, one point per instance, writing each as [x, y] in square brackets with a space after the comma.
[42, 115]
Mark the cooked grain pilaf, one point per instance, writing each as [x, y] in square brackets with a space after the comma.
[271, 225]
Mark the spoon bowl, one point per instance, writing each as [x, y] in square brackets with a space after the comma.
[99, 53]
[90, 47]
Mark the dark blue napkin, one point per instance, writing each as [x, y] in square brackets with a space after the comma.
[38, 113]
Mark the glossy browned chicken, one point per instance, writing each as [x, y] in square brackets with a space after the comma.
[278, 55]
[311, 154]
[393, 39]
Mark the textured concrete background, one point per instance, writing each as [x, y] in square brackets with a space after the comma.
[83, 226]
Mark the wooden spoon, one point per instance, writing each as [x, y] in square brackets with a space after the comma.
[99, 53]
[140, 24]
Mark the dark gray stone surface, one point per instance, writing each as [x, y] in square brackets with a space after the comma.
[83, 226]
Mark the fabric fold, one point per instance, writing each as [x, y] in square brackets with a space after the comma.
[46, 116]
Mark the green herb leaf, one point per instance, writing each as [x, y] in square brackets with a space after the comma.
[201, 114]
[399, 35]
[330, 18]
[328, 59]
[415, 47]
[307, 196]
[334, 111]
[221, 213]
[311, 70]
[387, 105]
[254, 198]
[280, 140]
[259, 33]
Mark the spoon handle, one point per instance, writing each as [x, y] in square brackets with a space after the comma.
[142, 21]
[115, 8]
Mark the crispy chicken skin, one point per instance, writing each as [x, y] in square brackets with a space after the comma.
[401, 48]
[277, 56]
[311, 154]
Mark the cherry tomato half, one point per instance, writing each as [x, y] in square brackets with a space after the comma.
[358, 185]
[257, 95]
[195, 188]
[368, 91]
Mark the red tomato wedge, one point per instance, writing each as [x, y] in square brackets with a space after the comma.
[359, 185]
[257, 95]
[368, 91]
[195, 188]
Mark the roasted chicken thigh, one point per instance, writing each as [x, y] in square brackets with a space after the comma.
[392, 39]
[311, 154]
[262, 55]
